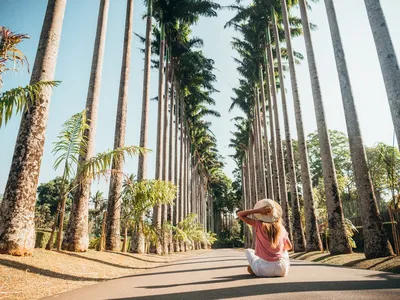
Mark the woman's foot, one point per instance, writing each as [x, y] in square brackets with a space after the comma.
[250, 270]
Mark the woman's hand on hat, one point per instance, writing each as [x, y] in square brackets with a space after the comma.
[264, 210]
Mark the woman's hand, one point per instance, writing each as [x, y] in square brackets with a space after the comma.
[264, 210]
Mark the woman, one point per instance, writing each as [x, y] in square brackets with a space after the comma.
[272, 242]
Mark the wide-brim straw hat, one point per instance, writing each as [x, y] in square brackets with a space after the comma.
[275, 214]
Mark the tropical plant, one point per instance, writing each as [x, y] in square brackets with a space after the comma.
[72, 142]
[138, 198]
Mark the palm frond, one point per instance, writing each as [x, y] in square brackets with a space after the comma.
[103, 161]
[19, 99]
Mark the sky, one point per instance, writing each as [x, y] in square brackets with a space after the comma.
[74, 62]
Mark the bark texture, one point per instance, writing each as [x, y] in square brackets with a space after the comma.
[17, 228]
[338, 242]
[114, 195]
[76, 236]
[376, 243]
[387, 59]
[299, 243]
[313, 240]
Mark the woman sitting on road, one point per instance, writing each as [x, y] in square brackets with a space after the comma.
[272, 242]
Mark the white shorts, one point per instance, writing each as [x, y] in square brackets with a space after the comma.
[264, 268]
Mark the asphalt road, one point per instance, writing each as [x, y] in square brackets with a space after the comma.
[222, 274]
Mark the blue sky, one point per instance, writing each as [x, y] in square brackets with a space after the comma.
[74, 61]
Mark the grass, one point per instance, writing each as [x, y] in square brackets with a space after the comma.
[354, 260]
[47, 273]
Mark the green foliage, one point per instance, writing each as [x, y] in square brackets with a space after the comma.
[42, 237]
[138, 197]
[71, 143]
[190, 231]
[49, 194]
[94, 243]
[350, 230]
[17, 99]
[340, 151]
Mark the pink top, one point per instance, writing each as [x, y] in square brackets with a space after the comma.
[263, 245]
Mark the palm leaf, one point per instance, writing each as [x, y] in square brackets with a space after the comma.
[102, 162]
[71, 143]
[19, 99]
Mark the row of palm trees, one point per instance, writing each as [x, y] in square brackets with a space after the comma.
[265, 26]
[186, 148]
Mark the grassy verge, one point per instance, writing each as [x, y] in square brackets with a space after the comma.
[50, 272]
[354, 260]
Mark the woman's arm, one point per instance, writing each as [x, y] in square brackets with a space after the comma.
[288, 245]
[244, 213]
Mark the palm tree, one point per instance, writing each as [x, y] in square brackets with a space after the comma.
[76, 236]
[298, 232]
[337, 231]
[142, 164]
[279, 151]
[375, 241]
[313, 240]
[17, 229]
[114, 194]
[387, 58]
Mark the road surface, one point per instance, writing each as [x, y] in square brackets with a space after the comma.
[222, 274]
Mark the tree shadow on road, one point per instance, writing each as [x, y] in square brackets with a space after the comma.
[265, 289]
[216, 280]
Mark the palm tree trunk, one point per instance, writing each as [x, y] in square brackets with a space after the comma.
[272, 95]
[76, 236]
[270, 187]
[299, 243]
[181, 172]
[177, 209]
[114, 195]
[337, 233]
[253, 169]
[375, 241]
[279, 151]
[17, 227]
[138, 241]
[387, 58]
[313, 240]
[157, 218]
[165, 162]
[262, 182]
[171, 153]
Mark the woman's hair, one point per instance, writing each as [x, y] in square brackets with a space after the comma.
[273, 231]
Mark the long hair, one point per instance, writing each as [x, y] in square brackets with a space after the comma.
[273, 231]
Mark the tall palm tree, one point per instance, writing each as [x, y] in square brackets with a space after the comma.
[114, 194]
[279, 152]
[375, 241]
[160, 133]
[387, 58]
[313, 240]
[76, 236]
[17, 228]
[138, 243]
[337, 231]
[298, 232]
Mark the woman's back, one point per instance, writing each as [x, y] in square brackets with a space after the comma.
[264, 247]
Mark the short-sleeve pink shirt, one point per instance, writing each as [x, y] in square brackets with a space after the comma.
[263, 245]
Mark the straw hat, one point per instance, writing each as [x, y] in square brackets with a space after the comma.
[271, 217]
